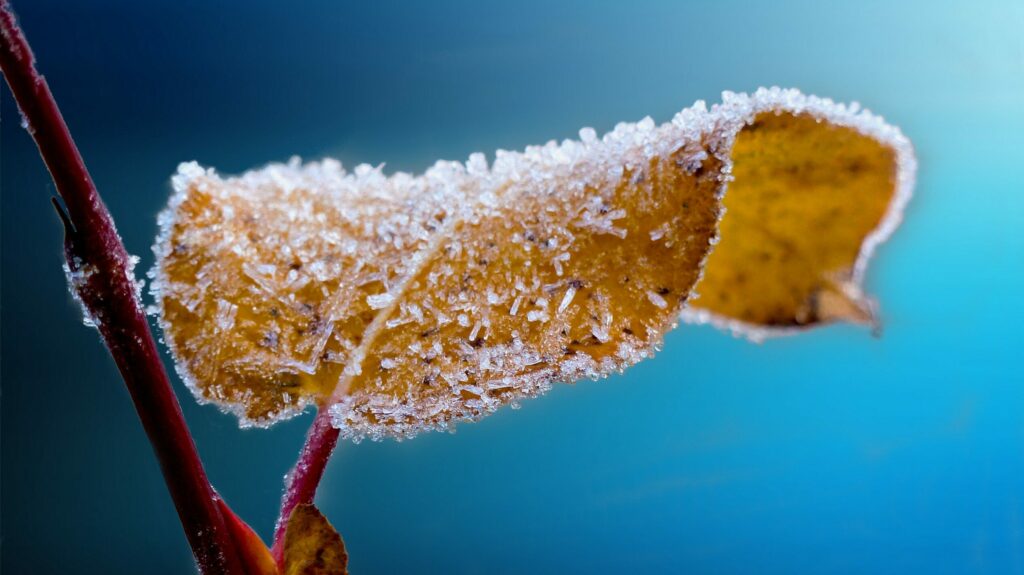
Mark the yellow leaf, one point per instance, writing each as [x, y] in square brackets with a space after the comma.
[815, 189]
[311, 545]
[403, 303]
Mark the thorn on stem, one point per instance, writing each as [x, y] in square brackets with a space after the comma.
[62, 213]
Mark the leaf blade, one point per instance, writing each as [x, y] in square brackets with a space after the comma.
[312, 546]
[817, 186]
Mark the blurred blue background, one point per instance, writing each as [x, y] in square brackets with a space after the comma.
[833, 452]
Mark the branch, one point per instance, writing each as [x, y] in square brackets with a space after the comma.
[302, 481]
[101, 275]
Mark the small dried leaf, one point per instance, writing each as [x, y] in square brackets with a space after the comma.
[404, 303]
[311, 545]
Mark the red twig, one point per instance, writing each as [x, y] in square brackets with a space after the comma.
[105, 284]
[301, 484]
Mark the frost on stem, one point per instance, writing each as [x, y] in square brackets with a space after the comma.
[78, 274]
[409, 302]
[78, 279]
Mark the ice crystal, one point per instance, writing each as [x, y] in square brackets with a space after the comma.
[78, 273]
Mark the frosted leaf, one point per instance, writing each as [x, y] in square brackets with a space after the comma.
[405, 303]
[814, 191]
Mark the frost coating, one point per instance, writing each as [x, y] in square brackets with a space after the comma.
[412, 302]
[333, 245]
[78, 279]
[408, 303]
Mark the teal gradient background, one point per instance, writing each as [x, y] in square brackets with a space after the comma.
[833, 452]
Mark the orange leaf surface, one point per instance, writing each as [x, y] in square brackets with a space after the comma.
[815, 189]
[312, 546]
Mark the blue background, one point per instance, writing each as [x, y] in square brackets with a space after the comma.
[833, 452]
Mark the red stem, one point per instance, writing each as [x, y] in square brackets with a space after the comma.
[301, 483]
[105, 285]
